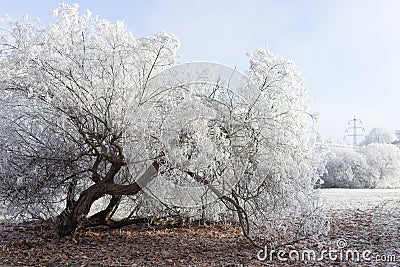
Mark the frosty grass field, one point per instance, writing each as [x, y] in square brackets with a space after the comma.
[362, 199]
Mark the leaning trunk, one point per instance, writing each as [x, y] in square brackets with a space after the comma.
[72, 217]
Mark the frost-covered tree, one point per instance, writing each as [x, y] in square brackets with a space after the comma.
[66, 87]
[376, 165]
[379, 136]
[82, 101]
[347, 168]
[384, 159]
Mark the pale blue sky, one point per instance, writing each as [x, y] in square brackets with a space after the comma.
[348, 51]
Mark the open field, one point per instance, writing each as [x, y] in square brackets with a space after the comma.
[362, 199]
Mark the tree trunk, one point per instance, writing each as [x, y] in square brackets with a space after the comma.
[71, 218]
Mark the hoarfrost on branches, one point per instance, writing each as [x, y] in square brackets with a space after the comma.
[76, 95]
[373, 166]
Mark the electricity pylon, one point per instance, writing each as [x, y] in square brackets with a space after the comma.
[355, 128]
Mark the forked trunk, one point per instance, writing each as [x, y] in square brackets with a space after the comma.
[70, 218]
[75, 214]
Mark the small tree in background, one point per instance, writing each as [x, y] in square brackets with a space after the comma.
[346, 168]
[373, 166]
[384, 159]
[378, 136]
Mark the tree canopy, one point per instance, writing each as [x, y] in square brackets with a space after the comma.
[85, 118]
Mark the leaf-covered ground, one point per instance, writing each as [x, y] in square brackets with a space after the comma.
[215, 245]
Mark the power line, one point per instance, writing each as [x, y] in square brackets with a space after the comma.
[355, 129]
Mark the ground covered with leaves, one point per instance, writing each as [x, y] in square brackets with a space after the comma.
[37, 244]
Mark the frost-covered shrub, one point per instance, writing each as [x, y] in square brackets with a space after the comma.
[346, 168]
[373, 166]
[81, 106]
[384, 159]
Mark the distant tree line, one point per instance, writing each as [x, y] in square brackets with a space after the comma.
[376, 164]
